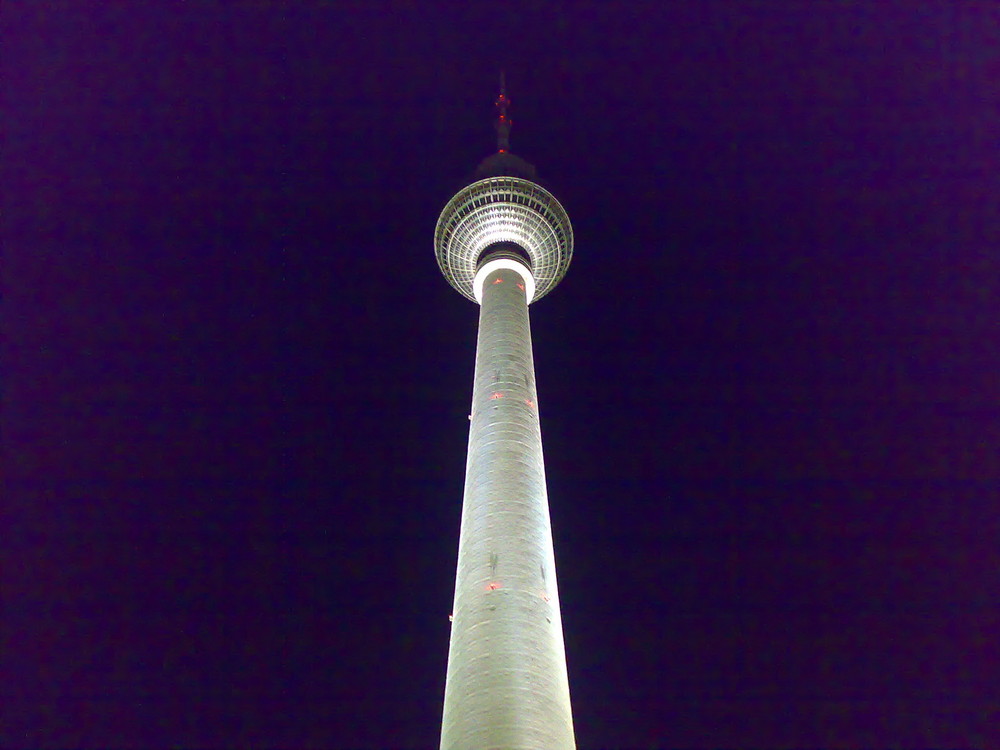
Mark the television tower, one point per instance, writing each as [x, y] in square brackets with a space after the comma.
[504, 241]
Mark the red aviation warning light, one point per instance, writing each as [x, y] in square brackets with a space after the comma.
[503, 122]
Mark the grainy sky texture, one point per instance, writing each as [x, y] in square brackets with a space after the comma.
[236, 385]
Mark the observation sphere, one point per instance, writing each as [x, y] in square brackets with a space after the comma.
[503, 209]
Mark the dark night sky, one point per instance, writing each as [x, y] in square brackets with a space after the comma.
[237, 385]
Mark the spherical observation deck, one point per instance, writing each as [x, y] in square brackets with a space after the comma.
[503, 209]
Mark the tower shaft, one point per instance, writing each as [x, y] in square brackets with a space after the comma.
[507, 684]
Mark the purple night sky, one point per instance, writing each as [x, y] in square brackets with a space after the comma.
[236, 384]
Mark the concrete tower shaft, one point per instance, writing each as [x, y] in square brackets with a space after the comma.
[507, 683]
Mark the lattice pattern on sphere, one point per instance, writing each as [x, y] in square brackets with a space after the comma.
[504, 209]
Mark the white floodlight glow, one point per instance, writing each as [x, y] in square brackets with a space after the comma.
[495, 265]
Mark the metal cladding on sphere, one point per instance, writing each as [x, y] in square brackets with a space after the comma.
[504, 209]
[504, 241]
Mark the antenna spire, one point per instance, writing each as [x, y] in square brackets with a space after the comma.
[503, 122]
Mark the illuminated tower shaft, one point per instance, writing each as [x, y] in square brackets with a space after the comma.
[507, 685]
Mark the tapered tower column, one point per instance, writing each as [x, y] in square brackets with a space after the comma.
[504, 241]
[507, 685]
